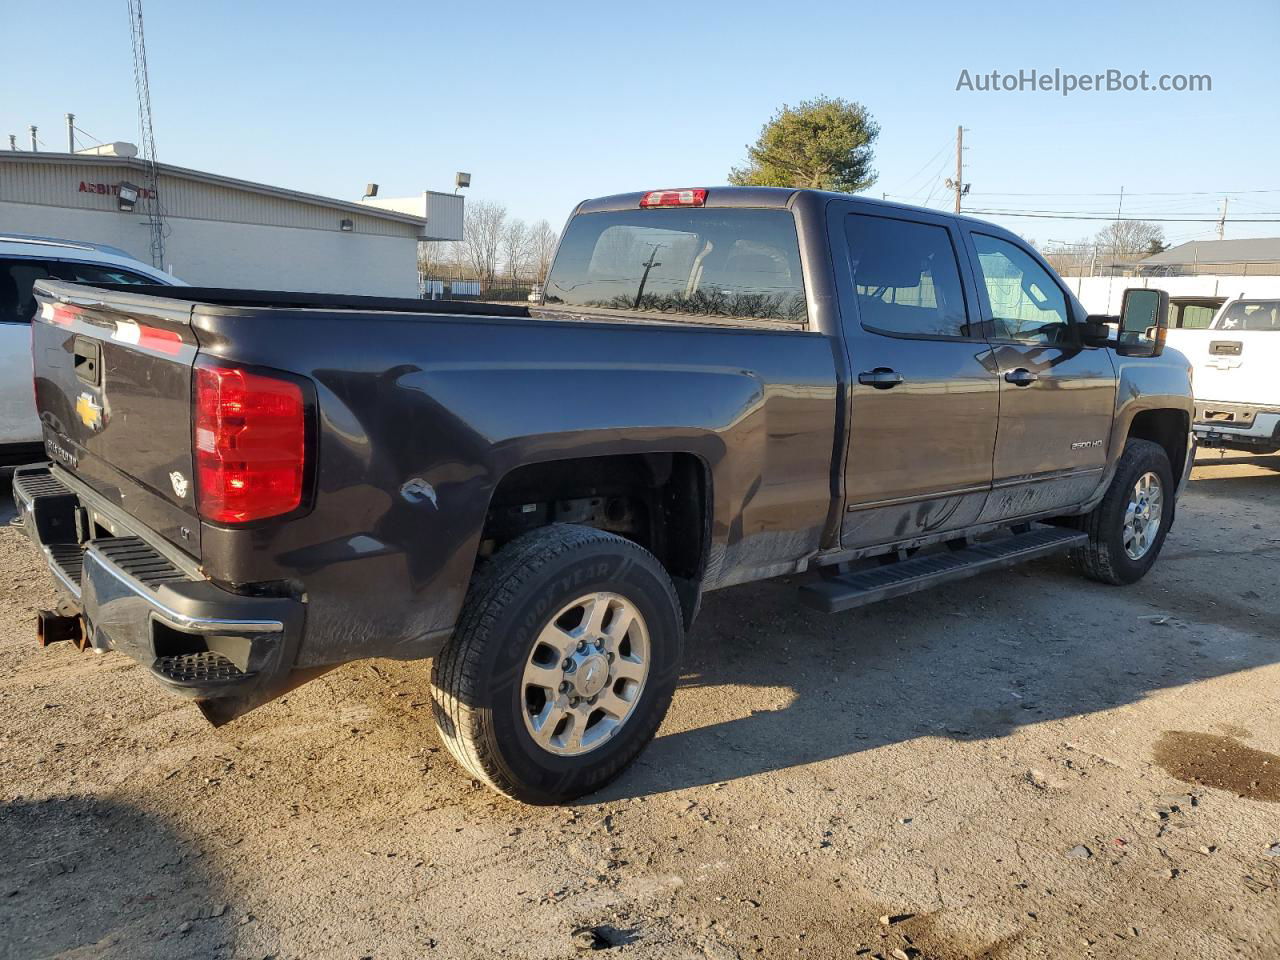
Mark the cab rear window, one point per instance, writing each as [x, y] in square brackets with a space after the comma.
[682, 265]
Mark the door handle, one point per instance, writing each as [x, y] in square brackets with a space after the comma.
[882, 378]
[87, 357]
[1022, 377]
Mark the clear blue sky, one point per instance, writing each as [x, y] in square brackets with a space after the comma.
[548, 103]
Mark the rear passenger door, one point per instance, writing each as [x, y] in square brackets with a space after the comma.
[1057, 396]
[925, 395]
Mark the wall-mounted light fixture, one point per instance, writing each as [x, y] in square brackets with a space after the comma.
[126, 196]
[346, 226]
[461, 180]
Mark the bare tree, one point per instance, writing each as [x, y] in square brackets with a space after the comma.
[515, 247]
[437, 258]
[542, 247]
[1130, 238]
[482, 237]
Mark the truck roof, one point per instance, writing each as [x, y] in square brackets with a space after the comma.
[769, 197]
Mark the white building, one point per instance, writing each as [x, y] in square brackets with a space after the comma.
[219, 231]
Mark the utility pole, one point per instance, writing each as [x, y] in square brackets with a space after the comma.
[1222, 220]
[71, 133]
[649, 264]
[958, 184]
[34, 147]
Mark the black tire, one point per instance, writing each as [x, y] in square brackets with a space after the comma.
[1104, 558]
[477, 690]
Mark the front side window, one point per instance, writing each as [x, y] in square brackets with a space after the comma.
[1026, 303]
[17, 300]
[704, 265]
[906, 277]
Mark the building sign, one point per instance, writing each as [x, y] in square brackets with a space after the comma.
[113, 190]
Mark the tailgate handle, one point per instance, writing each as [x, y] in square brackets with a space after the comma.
[1226, 348]
[88, 359]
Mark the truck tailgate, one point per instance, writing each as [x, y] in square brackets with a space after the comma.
[113, 377]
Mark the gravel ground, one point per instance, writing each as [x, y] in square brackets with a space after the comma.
[1022, 765]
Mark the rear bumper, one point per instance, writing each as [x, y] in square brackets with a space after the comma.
[229, 651]
[1237, 424]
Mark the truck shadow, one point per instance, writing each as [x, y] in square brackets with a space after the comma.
[973, 660]
[1209, 458]
[7, 510]
[91, 877]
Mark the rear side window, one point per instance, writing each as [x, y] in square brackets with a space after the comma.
[17, 301]
[1251, 315]
[683, 265]
[97, 273]
[906, 277]
[1192, 316]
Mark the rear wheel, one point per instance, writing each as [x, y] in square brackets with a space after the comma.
[563, 665]
[1127, 529]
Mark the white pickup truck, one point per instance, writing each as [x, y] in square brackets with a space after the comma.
[1237, 375]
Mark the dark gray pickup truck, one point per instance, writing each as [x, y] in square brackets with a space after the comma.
[247, 488]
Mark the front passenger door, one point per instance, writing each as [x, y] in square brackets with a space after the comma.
[1057, 397]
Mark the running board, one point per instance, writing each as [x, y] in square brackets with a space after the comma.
[907, 576]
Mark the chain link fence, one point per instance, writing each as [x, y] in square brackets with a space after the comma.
[498, 290]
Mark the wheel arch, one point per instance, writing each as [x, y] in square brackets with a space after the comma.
[662, 501]
[1167, 427]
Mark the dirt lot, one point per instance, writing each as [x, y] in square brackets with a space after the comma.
[1024, 765]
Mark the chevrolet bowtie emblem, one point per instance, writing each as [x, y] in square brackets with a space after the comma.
[89, 411]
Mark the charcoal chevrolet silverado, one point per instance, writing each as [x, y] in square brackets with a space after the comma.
[716, 386]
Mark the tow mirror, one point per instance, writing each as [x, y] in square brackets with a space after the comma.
[1144, 320]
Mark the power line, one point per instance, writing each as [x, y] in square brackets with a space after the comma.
[1129, 214]
[1128, 193]
[1068, 216]
[915, 176]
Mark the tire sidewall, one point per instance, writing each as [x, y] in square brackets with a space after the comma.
[602, 566]
[1150, 460]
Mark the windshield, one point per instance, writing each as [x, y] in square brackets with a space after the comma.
[691, 265]
[1250, 315]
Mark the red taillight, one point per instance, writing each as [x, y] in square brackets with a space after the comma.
[63, 316]
[250, 444]
[674, 198]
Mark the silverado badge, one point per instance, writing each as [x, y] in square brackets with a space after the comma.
[89, 411]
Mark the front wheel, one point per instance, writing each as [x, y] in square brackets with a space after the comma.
[1127, 529]
[563, 665]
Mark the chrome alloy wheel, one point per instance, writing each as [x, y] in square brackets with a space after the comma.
[585, 674]
[1143, 516]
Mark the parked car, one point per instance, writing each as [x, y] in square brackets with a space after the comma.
[1237, 375]
[718, 386]
[24, 260]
